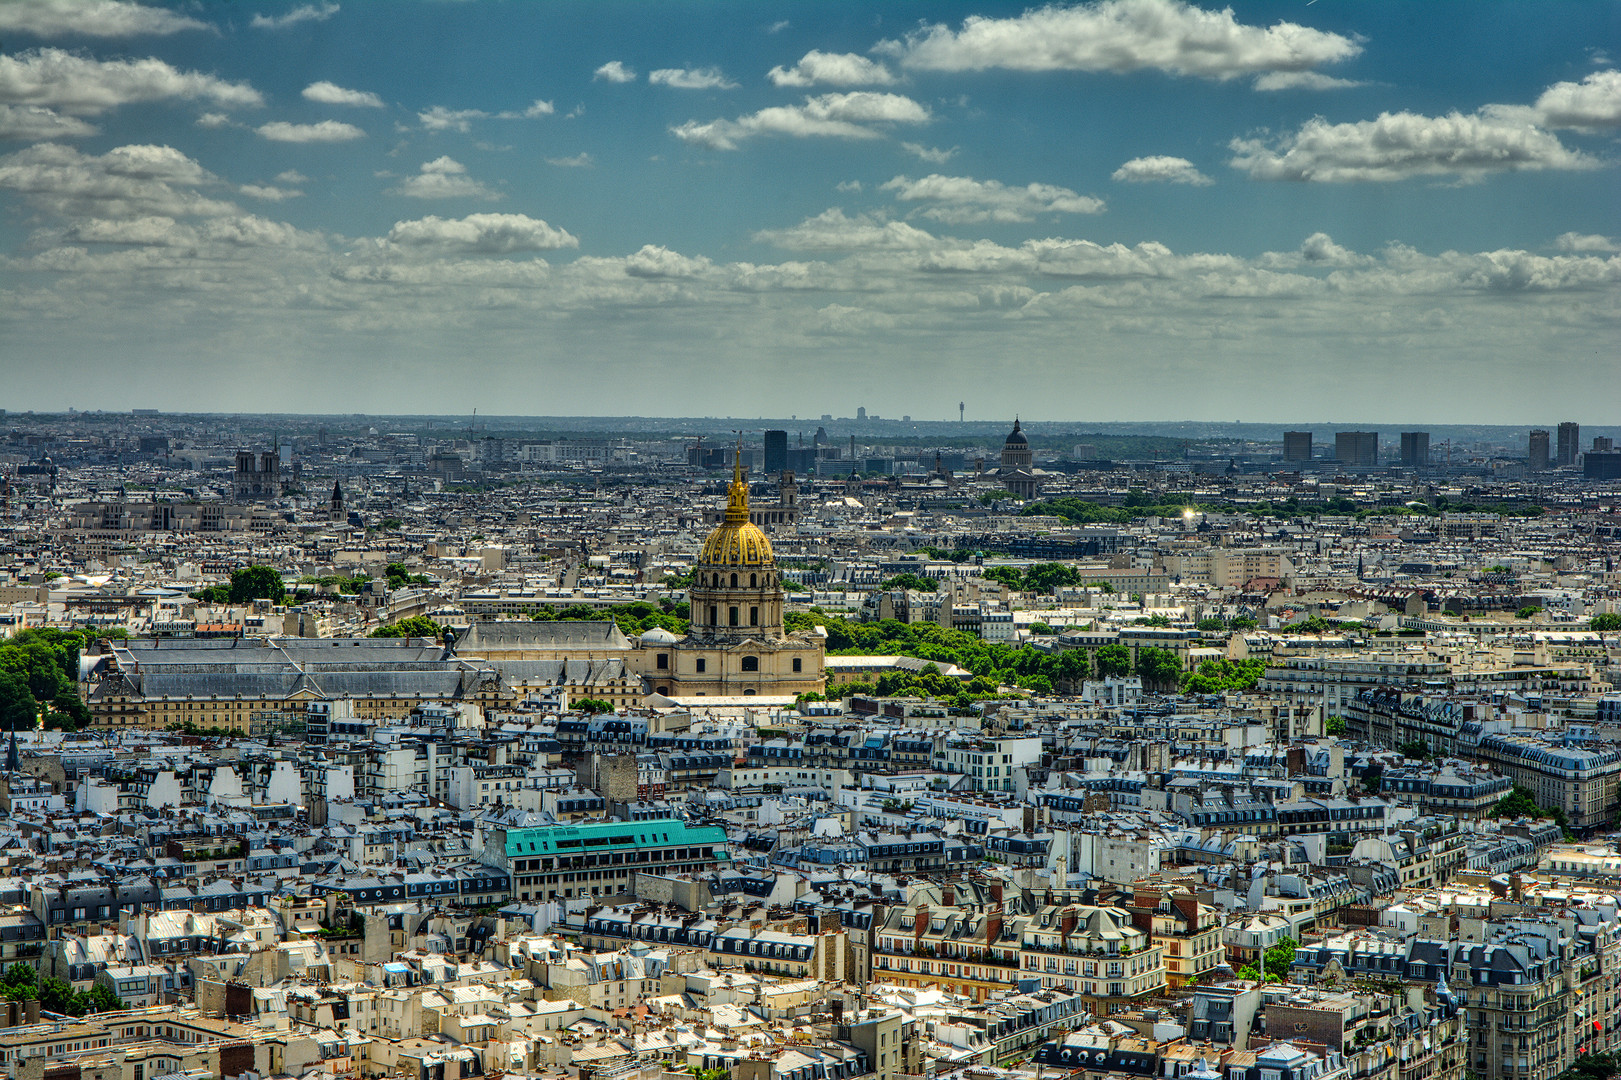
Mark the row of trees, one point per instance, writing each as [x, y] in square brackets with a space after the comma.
[22, 983]
[39, 675]
[248, 583]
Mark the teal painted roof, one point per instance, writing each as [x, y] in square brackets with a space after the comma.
[611, 835]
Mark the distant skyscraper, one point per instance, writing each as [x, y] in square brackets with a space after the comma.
[1570, 442]
[962, 407]
[776, 452]
[1415, 449]
[861, 413]
[1602, 444]
[1538, 448]
[1297, 446]
[1356, 447]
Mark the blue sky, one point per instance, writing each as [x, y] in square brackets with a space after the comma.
[1112, 210]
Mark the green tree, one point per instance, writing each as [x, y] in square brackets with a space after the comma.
[1604, 623]
[1113, 661]
[1041, 628]
[911, 581]
[592, 706]
[415, 626]
[1158, 667]
[256, 583]
[1334, 725]
[1210, 625]
[18, 709]
[1243, 622]
[1278, 958]
[1073, 668]
[1529, 611]
[1415, 748]
[102, 999]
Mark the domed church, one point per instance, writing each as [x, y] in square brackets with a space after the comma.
[1017, 473]
[735, 645]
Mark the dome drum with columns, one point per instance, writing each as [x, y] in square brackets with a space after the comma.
[735, 645]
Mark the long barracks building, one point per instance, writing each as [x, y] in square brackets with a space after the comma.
[562, 862]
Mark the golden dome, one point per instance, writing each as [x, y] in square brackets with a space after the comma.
[736, 541]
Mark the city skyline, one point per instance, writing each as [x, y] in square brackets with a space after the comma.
[1129, 208]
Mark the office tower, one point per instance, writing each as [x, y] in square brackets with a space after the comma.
[861, 413]
[1356, 447]
[1570, 437]
[776, 452]
[1415, 449]
[1538, 450]
[1602, 466]
[962, 414]
[1602, 444]
[1297, 446]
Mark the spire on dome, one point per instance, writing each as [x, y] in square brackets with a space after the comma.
[737, 496]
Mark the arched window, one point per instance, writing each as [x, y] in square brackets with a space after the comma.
[748, 692]
[734, 581]
[754, 581]
[751, 663]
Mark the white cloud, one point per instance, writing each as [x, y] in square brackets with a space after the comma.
[291, 176]
[213, 121]
[36, 123]
[85, 87]
[837, 69]
[847, 185]
[615, 71]
[709, 78]
[930, 154]
[832, 230]
[332, 94]
[440, 118]
[961, 200]
[1161, 168]
[1303, 80]
[485, 234]
[1397, 146]
[533, 112]
[269, 193]
[1574, 241]
[1595, 102]
[656, 261]
[302, 14]
[845, 116]
[443, 178]
[327, 131]
[581, 160]
[1121, 36]
[92, 18]
[127, 181]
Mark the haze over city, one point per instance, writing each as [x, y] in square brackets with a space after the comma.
[1123, 210]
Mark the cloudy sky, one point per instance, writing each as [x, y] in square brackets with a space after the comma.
[1126, 209]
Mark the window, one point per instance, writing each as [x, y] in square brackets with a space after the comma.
[714, 618]
[733, 613]
[663, 661]
[751, 663]
[798, 664]
[734, 585]
[754, 616]
[700, 661]
[754, 581]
